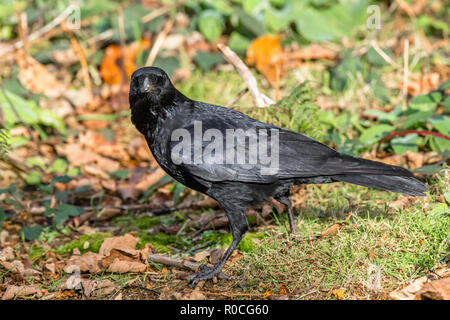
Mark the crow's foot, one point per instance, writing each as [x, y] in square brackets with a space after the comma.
[206, 273]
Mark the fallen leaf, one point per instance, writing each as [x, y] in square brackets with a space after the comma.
[7, 254]
[339, 294]
[36, 78]
[201, 255]
[196, 295]
[265, 54]
[127, 241]
[108, 213]
[13, 291]
[413, 291]
[97, 287]
[403, 202]
[150, 179]
[88, 262]
[333, 229]
[426, 83]
[436, 290]
[110, 68]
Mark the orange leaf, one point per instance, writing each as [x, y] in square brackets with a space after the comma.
[339, 294]
[110, 70]
[265, 53]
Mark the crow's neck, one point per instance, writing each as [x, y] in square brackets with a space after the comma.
[146, 115]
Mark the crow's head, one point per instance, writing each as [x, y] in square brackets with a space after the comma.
[152, 84]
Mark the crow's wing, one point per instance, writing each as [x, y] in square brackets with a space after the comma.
[294, 155]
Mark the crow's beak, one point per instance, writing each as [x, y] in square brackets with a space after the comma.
[146, 86]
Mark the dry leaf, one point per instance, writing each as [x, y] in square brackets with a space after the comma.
[197, 295]
[97, 287]
[339, 294]
[436, 290]
[88, 262]
[150, 179]
[404, 202]
[110, 70]
[418, 286]
[36, 78]
[426, 83]
[122, 266]
[21, 291]
[7, 254]
[333, 229]
[127, 241]
[201, 255]
[265, 54]
[108, 213]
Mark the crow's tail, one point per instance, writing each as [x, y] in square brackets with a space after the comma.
[401, 184]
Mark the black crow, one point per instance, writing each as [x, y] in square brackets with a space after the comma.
[239, 161]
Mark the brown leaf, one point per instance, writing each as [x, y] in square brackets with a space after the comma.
[201, 255]
[88, 262]
[403, 202]
[128, 191]
[121, 254]
[122, 266]
[207, 203]
[36, 78]
[7, 254]
[426, 83]
[414, 290]
[436, 290]
[196, 295]
[108, 213]
[97, 287]
[21, 291]
[150, 179]
[333, 229]
[127, 241]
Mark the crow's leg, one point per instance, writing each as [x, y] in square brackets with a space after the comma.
[239, 225]
[284, 199]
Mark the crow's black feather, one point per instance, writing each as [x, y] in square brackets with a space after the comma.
[158, 108]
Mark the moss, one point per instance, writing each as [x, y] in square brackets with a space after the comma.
[95, 241]
[36, 252]
[146, 222]
[161, 241]
[246, 245]
[130, 223]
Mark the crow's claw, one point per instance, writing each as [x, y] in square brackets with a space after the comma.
[206, 273]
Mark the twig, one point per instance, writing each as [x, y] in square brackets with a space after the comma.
[81, 56]
[173, 262]
[260, 99]
[233, 294]
[238, 97]
[405, 71]
[159, 41]
[122, 37]
[142, 206]
[283, 263]
[382, 54]
[35, 35]
[403, 133]
[160, 11]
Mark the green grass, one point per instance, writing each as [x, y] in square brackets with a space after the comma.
[401, 244]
